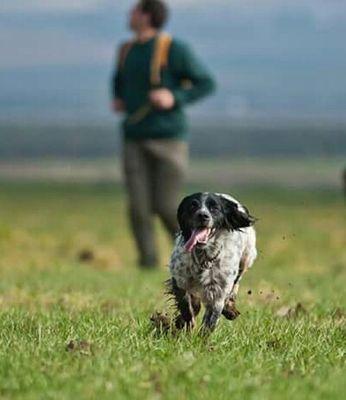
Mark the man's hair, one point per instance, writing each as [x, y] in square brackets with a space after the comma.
[157, 10]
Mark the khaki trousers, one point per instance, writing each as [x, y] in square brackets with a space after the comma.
[154, 175]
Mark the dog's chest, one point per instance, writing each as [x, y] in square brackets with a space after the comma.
[203, 262]
[211, 268]
[217, 265]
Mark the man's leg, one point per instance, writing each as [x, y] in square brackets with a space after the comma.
[137, 177]
[170, 164]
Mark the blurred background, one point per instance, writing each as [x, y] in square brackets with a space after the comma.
[280, 67]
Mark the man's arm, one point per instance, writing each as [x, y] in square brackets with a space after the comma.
[187, 67]
[118, 104]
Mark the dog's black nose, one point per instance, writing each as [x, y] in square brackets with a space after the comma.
[203, 217]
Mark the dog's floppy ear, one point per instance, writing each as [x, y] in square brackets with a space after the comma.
[236, 216]
[183, 216]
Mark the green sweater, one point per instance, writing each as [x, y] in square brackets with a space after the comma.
[131, 83]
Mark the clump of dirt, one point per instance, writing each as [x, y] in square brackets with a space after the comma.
[161, 323]
[79, 346]
[99, 257]
[86, 256]
[339, 313]
[291, 312]
[339, 316]
[273, 344]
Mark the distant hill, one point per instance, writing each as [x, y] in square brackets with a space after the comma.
[207, 139]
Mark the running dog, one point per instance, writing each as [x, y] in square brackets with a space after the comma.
[214, 248]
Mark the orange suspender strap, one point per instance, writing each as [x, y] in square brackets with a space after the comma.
[160, 58]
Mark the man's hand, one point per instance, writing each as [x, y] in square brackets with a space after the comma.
[118, 106]
[162, 99]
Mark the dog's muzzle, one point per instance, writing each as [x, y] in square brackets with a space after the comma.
[201, 234]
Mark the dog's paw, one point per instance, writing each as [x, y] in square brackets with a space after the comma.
[181, 324]
[230, 311]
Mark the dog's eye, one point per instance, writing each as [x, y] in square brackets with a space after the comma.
[194, 205]
[213, 206]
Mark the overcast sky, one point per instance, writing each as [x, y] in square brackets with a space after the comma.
[41, 32]
[271, 56]
[318, 7]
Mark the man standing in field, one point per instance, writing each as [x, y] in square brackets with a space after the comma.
[156, 76]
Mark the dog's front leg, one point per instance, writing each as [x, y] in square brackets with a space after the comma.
[230, 310]
[185, 307]
[211, 316]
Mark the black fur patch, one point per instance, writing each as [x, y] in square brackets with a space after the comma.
[185, 210]
[236, 219]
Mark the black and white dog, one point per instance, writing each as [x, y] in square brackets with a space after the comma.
[214, 248]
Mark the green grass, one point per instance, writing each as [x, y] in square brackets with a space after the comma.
[48, 298]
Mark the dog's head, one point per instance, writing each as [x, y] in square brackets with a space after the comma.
[202, 215]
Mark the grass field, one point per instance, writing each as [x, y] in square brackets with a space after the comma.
[74, 310]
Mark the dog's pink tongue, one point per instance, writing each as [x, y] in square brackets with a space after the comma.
[198, 235]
